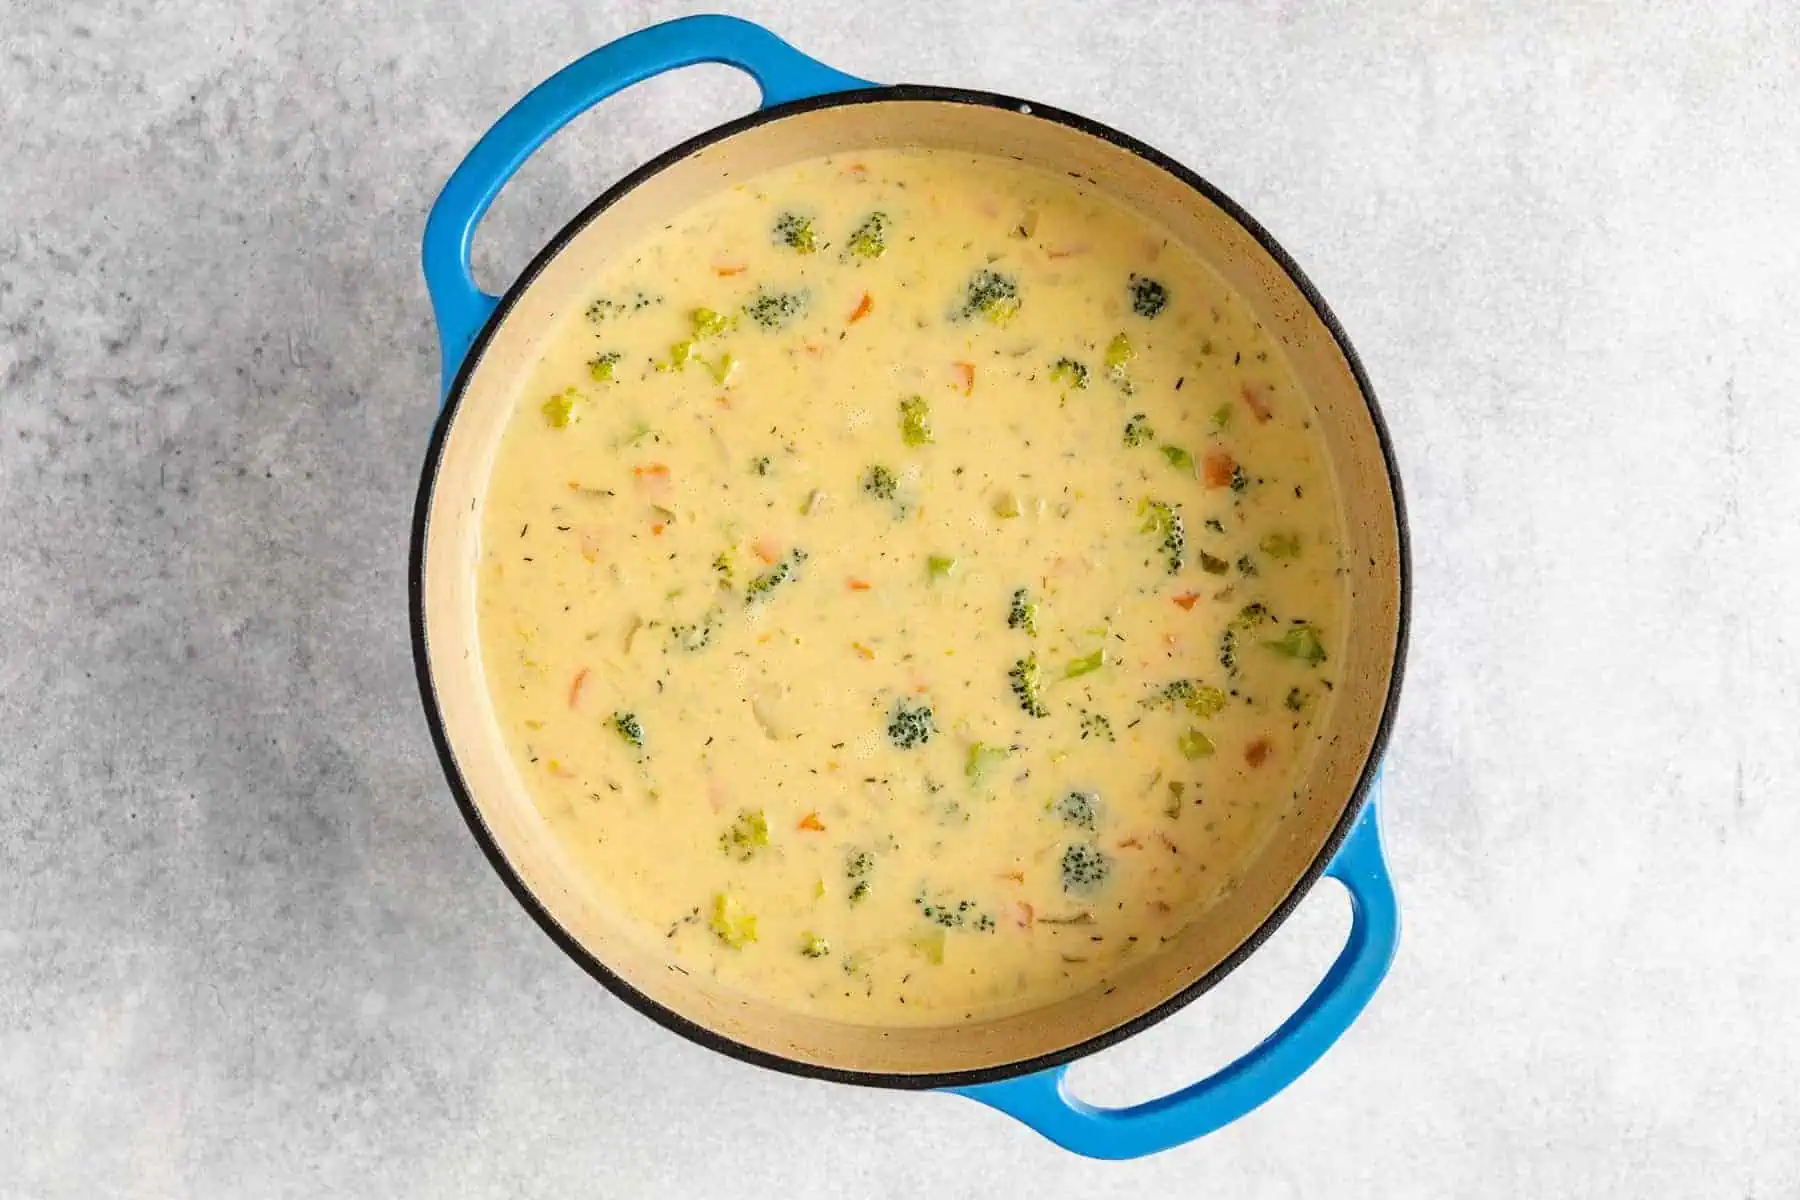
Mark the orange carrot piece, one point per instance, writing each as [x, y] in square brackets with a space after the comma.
[811, 821]
[766, 549]
[857, 585]
[1218, 467]
[651, 470]
[575, 686]
[656, 529]
[1187, 599]
[727, 270]
[863, 308]
[1257, 752]
[965, 377]
[1256, 395]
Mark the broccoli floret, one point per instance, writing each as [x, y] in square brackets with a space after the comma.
[814, 946]
[1179, 458]
[774, 577]
[1084, 868]
[1301, 642]
[1077, 809]
[1249, 617]
[774, 310]
[626, 726]
[869, 240]
[858, 865]
[1239, 480]
[604, 308]
[601, 366]
[1246, 565]
[1296, 700]
[993, 295]
[1195, 744]
[1281, 545]
[707, 324]
[1190, 694]
[1069, 373]
[730, 923]
[721, 368]
[915, 421]
[696, 637]
[1212, 565]
[1164, 520]
[560, 409]
[953, 916]
[1216, 525]
[725, 568]
[1096, 726]
[1027, 685]
[796, 232]
[1137, 429]
[939, 566]
[1023, 614]
[1119, 353]
[1148, 297]
[1222, 415]
[910, 725]
[746, 835]
[880, 483]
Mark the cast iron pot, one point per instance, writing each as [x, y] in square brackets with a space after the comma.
[1016, 1063]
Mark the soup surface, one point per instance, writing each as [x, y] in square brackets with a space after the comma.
[910, 588]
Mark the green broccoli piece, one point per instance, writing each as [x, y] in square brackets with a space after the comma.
[626, 726]
[601, 366]
[1296, 700]
[1301, 642]
[722, 367]
[869, 240]
[1087, 664]
[1028, 686]
[1069, 373]
[730, 923]
[1281, 545]
[1248, 618]
[1246, 565]
[696, 637]
[1195, 744]
[982, 760]
[1212, 565]
[1190, 694]
[1137, 429]
[774, 577]
[775, 310]
[992, 295]
[796, 232]
[1239, 480]
[858, 864]
[560, 409]
[939, 566]
[707, 324]
[1096, 726]
[1222, 415]
[910, 725]
[1119, 353]
[725, 568]
[880, 483]
[915, 421]
[814, 946]
[1084, 868]
[948, 916]
[1148, 297]
[1023, 614]
[1179, 458]
[1077, 808]
[1164, 520]
[746, 835]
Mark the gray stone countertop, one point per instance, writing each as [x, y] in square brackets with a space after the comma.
[248, 949]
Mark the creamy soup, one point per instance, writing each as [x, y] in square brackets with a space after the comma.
[910, 588]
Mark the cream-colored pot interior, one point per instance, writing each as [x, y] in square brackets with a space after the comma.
[478, 417]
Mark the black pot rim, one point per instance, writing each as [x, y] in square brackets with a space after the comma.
[711, 1038]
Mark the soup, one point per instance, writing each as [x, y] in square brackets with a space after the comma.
[910, 588]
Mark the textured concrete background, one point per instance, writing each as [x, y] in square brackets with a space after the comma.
[247, 947]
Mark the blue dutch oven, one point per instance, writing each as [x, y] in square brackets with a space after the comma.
[1015, 1064]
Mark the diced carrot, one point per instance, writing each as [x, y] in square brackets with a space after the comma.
[727, 270]
[1257, 752]
[862, 651]
[656, 529]
[811, 821]
[965, 377]
[1256, 395]
[863, 308]
[1218, 467]
[766, 549]
[722, 400]
[575, 686]
[651, 470]
[764, 638]
[1187, 600]
[857, 169]
[857, 585]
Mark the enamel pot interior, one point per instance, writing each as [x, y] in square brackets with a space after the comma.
[495, 798]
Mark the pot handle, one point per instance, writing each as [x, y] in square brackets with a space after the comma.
[1042, 1101]
[780, 71]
